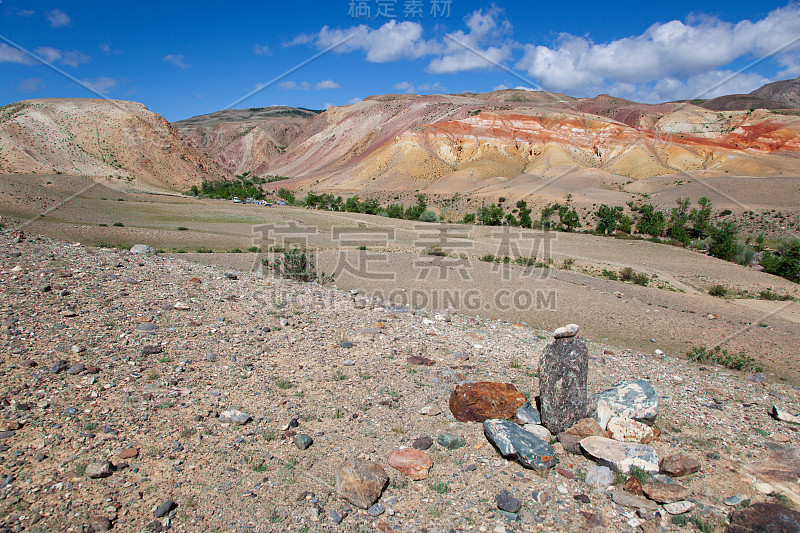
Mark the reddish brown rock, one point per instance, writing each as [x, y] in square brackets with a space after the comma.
[360, 482]
[594, 519]
[9, 425]
[384, 527]
[412, 462]
[765, 517]
[666, 492]
[564, 472]
[130, 453]
[634, 486]
[587, 427]
[679, 465]
[419, 360]
[476, 402]
[656, 434]
[571, 443]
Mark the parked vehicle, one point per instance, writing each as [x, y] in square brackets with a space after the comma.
[236, 200]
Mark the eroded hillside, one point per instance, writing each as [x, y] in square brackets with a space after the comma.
[99, 139]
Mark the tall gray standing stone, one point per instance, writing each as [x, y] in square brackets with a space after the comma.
[563, 372]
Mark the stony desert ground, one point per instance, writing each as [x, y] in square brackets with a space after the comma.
[145, 393]
[673, 313]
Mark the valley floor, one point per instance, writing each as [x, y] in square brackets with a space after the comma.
[673, 313]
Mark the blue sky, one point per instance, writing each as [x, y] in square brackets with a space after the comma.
[187, 58]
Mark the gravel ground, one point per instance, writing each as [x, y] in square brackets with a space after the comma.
[290, 354]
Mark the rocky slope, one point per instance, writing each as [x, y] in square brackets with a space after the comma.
[142, 394]
[481, 146]
[102, 139]
[469, 143]
[246, 140]
[787, 92]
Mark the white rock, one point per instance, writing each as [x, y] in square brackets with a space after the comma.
[784, 416]
[430, 410]
[141, 249]
[629, 430]
[180, 306]
[540, 431]
[620, 456]
[764, 488]
[603, 413]
[678, 507]
[570, 330]
[599, 477]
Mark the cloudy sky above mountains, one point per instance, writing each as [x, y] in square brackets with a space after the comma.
[182, 59]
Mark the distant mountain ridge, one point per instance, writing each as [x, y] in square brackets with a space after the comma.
[245, 140]
[111, 139]
[783, 94]
[473, 145]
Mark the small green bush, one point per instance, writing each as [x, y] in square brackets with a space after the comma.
[773, 297]
[640, 474]
[440, 487]
[630, 275]
[118, 225]
[609, 274]
[283, 384]
[296, 264]
[720, 291]
[428, 216]
[436, 250]
[720, 356]
[626, 274]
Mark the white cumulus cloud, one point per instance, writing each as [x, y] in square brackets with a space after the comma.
[71, 58]
[473, 50]
[327, 84]
[410, 88]
[294, 86]
[674, 54]
[672, 59]
[57, 18]
[101, 85]
[177, 60]
[261, 50]
[30, 85]
[9, 54]
[391, 42]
